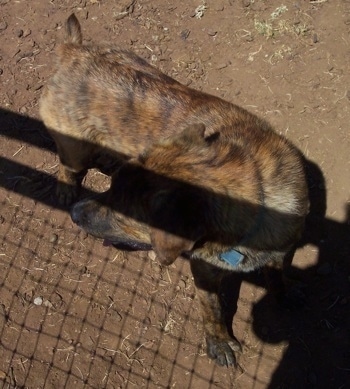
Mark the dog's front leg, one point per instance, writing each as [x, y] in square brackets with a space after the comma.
[221, 346]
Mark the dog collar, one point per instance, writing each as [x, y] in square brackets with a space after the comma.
[232, 257]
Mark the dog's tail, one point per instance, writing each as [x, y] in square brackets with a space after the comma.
[73, 31]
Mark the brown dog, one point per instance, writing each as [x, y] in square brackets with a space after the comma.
[221, 188]
[229, 195]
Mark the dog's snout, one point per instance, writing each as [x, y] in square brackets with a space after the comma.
[77, 213]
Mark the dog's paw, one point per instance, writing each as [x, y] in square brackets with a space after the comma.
[66, 194]
[223, 351]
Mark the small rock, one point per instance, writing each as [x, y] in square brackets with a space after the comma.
[19, 33]
[26, 32]
[23, 110]
[38, 301]
[53, 238]
[3, 26]
[315, 38]
[325, 269]
[47, 304]
[212, 32]
[246, 3]
[1, 71]
[152, 255]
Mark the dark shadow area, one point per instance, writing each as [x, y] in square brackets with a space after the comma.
[318, 335]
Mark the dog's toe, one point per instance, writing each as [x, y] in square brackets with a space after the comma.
[223, 352]
[66, 194]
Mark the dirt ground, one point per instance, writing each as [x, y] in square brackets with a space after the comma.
[76, 314]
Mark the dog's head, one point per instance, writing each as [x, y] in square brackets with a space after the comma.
[154, 201]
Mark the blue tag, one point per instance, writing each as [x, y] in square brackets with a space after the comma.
[232, 257]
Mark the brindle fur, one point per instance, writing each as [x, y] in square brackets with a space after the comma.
[206, 176]
[103, 100]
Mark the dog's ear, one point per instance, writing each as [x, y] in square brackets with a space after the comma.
[176, 224]
[197, 133]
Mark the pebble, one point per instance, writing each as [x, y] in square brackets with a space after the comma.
[38, 301]
[19, 33]
[3, 26]
[47, 304]
[212, 32]
[26, 32]
[53, 238]
[152, 255]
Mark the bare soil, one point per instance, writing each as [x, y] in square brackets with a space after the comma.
[76, 314]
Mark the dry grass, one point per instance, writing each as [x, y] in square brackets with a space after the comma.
[274, 25]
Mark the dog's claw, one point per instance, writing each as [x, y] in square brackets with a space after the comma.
[223, 352]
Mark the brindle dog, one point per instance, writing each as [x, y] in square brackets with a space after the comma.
[207, 180]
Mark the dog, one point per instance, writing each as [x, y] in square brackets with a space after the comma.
[226, 193]
[194, 176]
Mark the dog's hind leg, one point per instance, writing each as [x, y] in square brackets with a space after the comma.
[287, 291]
